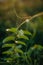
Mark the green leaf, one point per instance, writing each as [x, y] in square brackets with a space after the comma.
[18, 50]
[19, 46]
[34, 48]
[7, 45]
[20, 42]
[39, 47]
[8, 59]
[12, 30]
[24, 37]
[27, 32]
[8, 52]
[9, 38]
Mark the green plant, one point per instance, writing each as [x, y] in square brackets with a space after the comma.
[16, 52]
[15, 42]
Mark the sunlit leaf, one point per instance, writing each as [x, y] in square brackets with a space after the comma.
[20, 42]
[9, 38]
[24, 37]
[12, 30]
[27, 32]
[7, 45]
[7, 52]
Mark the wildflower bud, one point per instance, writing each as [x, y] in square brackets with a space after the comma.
[8, 61]
[7, 29]
[16, 41]
[27, 20]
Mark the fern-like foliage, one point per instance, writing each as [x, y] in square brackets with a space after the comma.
[16, 50]
[15, 42]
